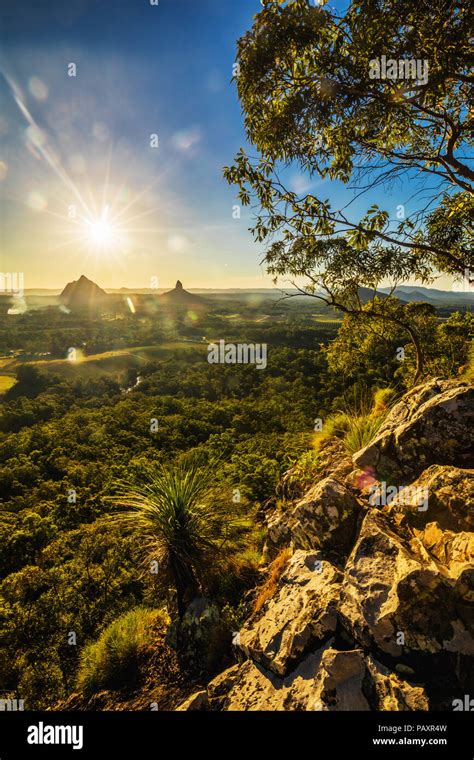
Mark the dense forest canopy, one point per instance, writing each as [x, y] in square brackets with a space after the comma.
[70, 432]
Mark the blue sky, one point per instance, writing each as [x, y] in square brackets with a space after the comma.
[140, 70]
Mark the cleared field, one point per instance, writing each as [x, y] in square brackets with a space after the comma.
[6, 382]
[5, 362]
[112, 363]
[323, 319]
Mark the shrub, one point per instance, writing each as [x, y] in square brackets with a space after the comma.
[359, 422]
[300, 476]
[234, 616]
[112, 661]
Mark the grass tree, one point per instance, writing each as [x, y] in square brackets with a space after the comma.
[181, 519]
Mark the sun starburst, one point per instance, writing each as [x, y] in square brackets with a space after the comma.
[101, 232]
[101, 223]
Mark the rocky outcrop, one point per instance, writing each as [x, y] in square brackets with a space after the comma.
[326, 680]
[83, 293]
[302, 612]
[326, 518]
[433, 424]
[450, 502]
[375, 608]
[394, 590]
[179, 297]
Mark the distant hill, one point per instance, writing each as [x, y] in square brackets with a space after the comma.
[418, 293]
[83, 293]
[181, 297]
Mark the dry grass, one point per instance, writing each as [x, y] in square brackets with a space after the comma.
[112, 662]
[359, 422]
[275, 572]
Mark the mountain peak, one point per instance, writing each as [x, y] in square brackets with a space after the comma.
[83, 292]
[181, 297]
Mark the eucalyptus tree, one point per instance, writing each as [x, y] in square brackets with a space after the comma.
[339, 96]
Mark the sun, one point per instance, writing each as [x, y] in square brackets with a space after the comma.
[105, 229]
[100, 232]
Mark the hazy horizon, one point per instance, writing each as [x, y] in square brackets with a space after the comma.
[163, 288]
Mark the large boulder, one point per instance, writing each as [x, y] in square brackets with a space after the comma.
[433, 424]
[394, 586]
[257, 688]
[327, 680]
[301, 612]
[326, 518]
[449, 500]
[339, 681]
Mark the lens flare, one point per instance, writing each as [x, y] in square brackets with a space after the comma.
[103, 229]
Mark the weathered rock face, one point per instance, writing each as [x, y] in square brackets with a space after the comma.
[375, 608]
[302, 612]
[393, 592]
[433, 424]
[323, 503]
[450, 502]
[326, 680]
[391, 693]
[325, 519]
[197, 701]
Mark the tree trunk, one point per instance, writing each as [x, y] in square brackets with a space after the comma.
[185, 584]
[420, 364]
[419, 355]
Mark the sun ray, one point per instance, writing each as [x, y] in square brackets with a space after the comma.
[43, 149]
[102, 225]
